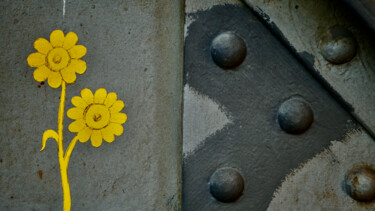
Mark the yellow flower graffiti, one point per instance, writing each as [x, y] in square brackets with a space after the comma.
[97, 116]
[58, 60]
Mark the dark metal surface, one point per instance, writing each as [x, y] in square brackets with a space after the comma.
[226, 184]
[365, 9]
[295, 115]
[253, 143]
[228, 50]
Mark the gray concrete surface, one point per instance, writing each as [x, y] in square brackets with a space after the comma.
[134, 48]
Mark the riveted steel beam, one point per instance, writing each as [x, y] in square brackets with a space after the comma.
[331, 42]
[258, 114]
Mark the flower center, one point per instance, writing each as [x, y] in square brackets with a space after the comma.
[57, 59]
[97, 116]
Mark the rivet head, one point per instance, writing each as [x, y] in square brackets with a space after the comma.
[338, 45]
[295, 116]
[226, 184]
[228, 50]
[360, 183]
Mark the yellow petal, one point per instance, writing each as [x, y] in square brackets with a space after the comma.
[41, 73]
[57, 38]
[107, 135]
[79, 66]
[87, 96]
[96, 138]
[75, 113]
[68, 75]
[111, 98]
[100, 96]
[42, 46]
[79, 102]
[77, 51]
[117, 106]
[84, 134]
[115, 128]
[118, 118]
[36, 59]
[70, 40]
[54, 79]
[77, 125]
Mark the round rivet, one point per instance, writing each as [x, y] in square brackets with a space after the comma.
[338, 45]
[228, 50]
[295, 116]
[226, 185]
[360, 183]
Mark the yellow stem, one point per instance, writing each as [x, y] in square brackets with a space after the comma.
[63, 164]
[69, 150]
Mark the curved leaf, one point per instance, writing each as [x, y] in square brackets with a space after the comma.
[48, 134]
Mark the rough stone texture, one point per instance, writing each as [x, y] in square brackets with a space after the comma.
[134, 49]
[318, 184]
[302, 23]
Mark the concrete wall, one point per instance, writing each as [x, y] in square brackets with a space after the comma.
[134, 48]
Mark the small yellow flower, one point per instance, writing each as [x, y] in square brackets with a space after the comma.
[58, 59]
[97, 116]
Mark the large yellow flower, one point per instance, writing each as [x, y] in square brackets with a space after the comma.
[58, 59]
[97, 116]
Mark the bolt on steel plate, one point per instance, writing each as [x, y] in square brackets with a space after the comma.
[258, 113]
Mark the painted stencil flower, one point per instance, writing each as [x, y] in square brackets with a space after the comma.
[58, 60]
[97, 116]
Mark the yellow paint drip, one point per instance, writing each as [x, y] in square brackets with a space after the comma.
[97, 116]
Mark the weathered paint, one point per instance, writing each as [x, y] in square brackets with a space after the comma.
[318, 183]
[133, 48]
[251, 93]
[302, 24]
[192, 6]
[202, 117]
